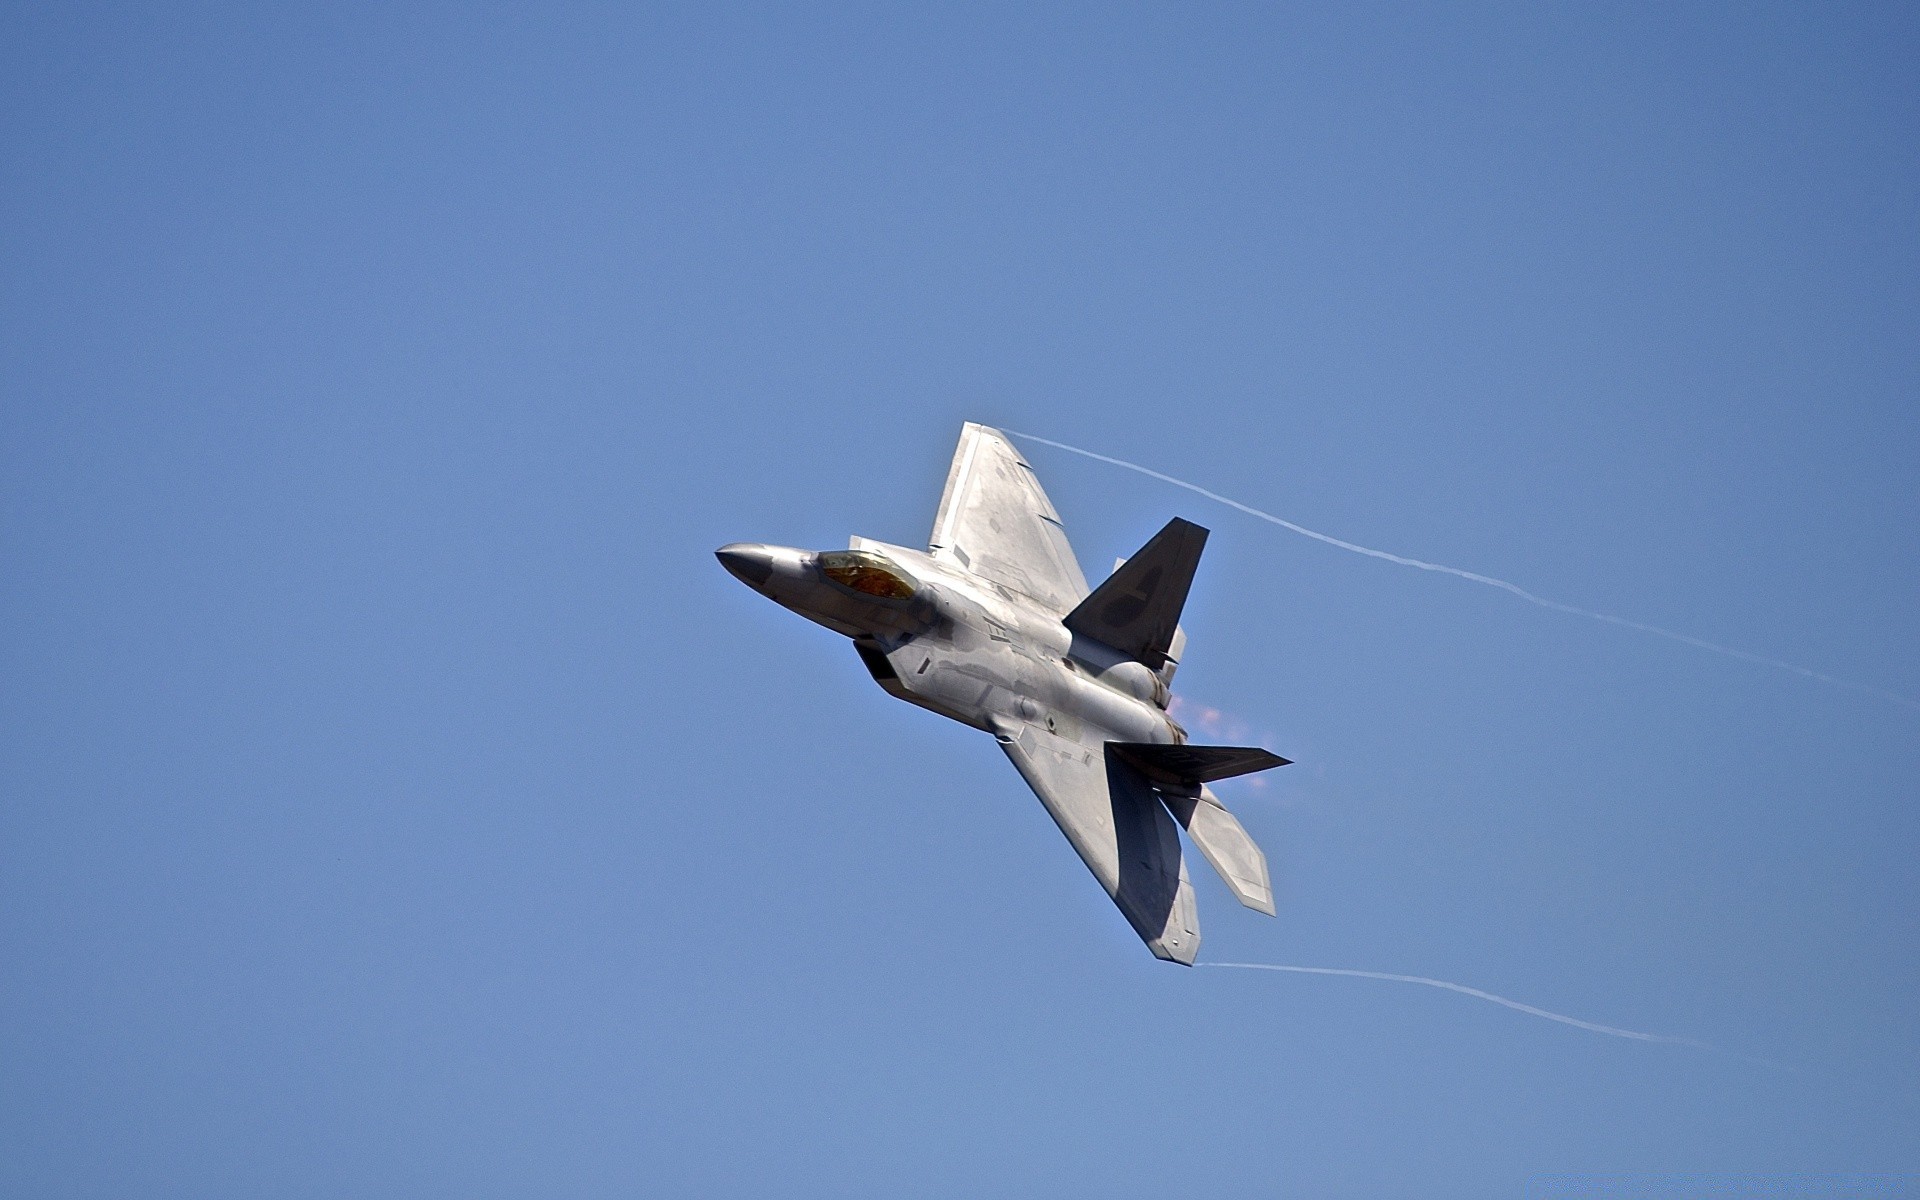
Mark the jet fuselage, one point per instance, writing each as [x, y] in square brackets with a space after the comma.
[964, 647]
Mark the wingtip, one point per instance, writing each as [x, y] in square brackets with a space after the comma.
[1181, 950]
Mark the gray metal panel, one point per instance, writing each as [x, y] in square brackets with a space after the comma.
[1116, 823]
[996, 521]
[1227, 845]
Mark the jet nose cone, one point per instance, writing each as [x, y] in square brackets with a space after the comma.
[749, 562]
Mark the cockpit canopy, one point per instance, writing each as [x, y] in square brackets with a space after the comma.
[867, 573]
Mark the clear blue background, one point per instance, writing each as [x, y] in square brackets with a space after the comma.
[396, 799]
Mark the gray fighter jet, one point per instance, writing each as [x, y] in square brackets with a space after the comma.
[993, 626]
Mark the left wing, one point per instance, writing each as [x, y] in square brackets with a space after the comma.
[1118, 826]
[996, 521]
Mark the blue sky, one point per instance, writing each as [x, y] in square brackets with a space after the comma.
[399, 800]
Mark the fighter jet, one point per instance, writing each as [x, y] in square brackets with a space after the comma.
[993, 626]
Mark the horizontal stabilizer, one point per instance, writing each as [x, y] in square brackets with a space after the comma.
[1191, 765]
[1225, 842]
[1138, 608]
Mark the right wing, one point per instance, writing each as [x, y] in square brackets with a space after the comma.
[996, 521]
[1118, 826]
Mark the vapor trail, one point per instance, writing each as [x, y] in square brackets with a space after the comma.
[1489, 580]
[1464, 990]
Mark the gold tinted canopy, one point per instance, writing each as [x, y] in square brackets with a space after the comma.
[866, 573]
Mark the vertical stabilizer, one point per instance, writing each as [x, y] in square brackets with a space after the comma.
[1137, 610]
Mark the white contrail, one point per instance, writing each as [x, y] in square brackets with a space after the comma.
[1464, 990]
[1474, 577]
